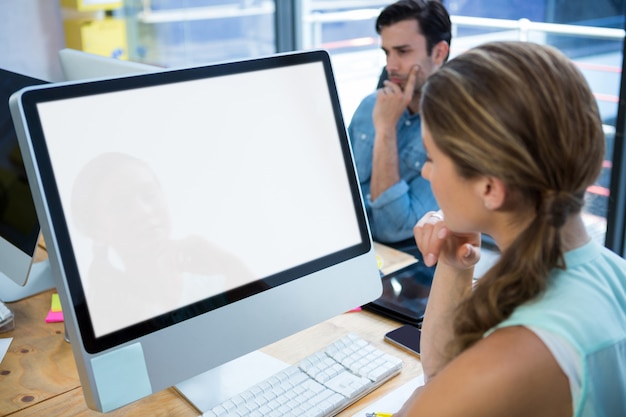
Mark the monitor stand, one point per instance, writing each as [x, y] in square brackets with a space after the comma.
[211, 388]
[39, 279]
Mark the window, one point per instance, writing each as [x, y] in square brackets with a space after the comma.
[590, 33]
[174, 33]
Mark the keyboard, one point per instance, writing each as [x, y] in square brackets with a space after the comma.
[322, 384]
[6, 318]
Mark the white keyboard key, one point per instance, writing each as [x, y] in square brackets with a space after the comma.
[7, 320]
[4, 311]
[348, 385]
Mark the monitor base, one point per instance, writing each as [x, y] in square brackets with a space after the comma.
[207, 390]
[40, 279]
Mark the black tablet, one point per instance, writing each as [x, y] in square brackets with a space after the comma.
[405, 294]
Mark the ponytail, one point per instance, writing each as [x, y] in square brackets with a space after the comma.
[520, 273]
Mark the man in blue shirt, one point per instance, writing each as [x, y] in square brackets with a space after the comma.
[385, 131]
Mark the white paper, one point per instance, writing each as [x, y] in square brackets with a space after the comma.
[392, 402]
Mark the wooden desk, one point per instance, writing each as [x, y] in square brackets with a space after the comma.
[38, 376]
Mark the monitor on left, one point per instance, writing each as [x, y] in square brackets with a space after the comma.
[19, 226]
[80, 65]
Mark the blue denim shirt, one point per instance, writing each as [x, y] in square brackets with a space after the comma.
[394, 213]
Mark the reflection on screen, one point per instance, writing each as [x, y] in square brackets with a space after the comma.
[156, 226]
[119, 204]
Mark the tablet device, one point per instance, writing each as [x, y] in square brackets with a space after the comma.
[405, 294]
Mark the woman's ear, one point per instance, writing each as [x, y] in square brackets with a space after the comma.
[493, 192]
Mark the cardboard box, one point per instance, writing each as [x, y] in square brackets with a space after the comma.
[91, 5]
[106, 37]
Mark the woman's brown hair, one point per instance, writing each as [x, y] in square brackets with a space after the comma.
[523, 113]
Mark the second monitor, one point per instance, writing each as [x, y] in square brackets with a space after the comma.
[19, 226]
[80, 65]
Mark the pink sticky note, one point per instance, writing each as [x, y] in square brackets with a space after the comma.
[54, 317]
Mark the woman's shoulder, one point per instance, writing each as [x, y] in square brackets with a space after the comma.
[508, 373]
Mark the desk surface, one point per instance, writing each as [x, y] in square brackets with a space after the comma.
[38, 375]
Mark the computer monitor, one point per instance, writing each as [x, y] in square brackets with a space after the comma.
[80, 65]
[19, 227]
[195, 215]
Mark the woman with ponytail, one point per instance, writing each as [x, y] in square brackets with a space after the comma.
[514, 138]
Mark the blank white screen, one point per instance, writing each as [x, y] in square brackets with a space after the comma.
[251, 162]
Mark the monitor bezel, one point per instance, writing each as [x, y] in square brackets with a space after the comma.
[33, 96]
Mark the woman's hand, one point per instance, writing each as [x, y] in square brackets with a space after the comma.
[438, 243]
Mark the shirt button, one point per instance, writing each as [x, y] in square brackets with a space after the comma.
[368, 196]
[363, 136]
[407, 123]
[417, 164]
